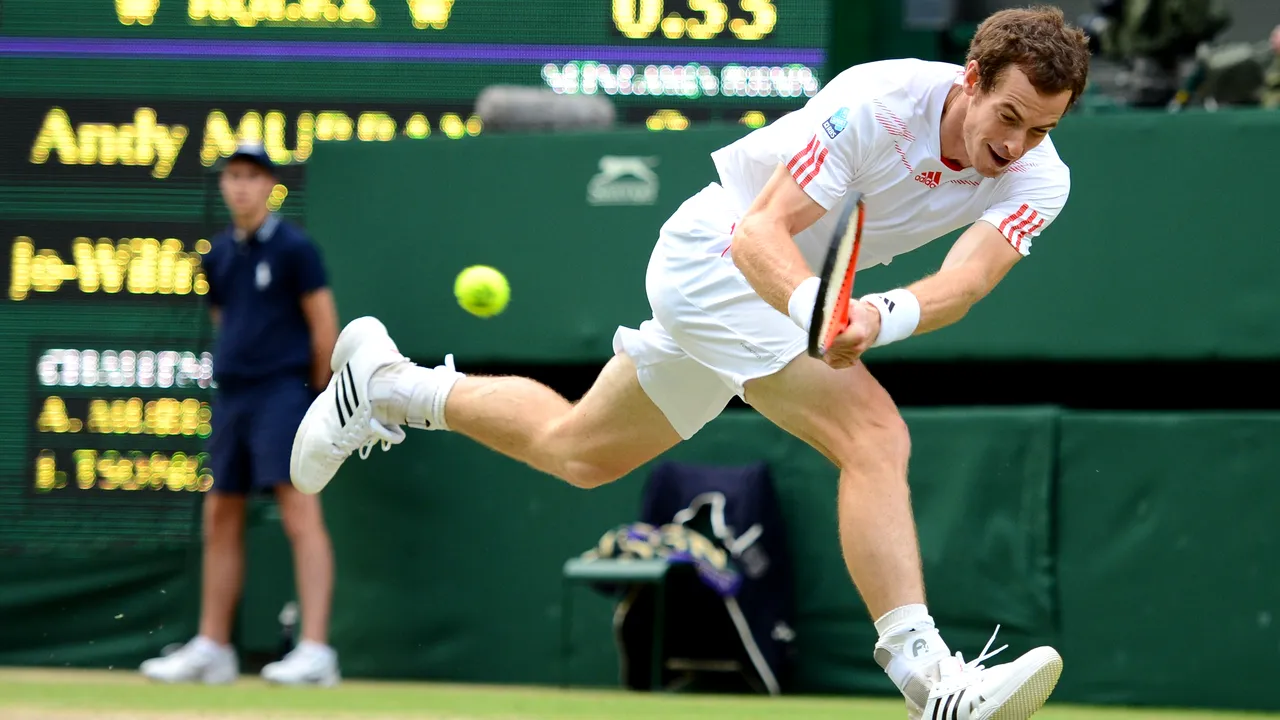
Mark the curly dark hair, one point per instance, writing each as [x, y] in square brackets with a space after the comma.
[1038, 40]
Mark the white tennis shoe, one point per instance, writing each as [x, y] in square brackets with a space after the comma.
[1013, 691]
[198, 661]
[307, 664]
[340, 420]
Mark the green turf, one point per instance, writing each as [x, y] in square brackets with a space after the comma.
[90, 693]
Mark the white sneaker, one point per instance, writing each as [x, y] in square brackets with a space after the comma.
[200, 660]
[340, 420]
[1013, 691]
[307, 664]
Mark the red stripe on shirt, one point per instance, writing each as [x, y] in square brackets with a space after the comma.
[817, 167]
[803, 167]
[1027, 233]
[807, 150]
[1012, 217]
[1021, 227]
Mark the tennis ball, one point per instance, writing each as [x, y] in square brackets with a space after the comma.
[482, 291]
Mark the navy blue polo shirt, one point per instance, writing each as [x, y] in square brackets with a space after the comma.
[257, 282]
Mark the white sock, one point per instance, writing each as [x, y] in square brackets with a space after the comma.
[309, 646]
[206, 646]
[909, 650]
[406, 394]
[902, 619]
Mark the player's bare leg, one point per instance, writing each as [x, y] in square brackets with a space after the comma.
[375, 390]
[611, 431]
[849, 417]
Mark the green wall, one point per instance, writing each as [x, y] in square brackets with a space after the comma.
[1143, 263]
[1140, 545]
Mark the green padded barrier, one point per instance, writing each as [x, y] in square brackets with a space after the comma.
[450, 556]
[1168, 542]
[448, 565]
[981, 483]
[112, 608]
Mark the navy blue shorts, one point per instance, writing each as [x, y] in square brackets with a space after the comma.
[252, 434]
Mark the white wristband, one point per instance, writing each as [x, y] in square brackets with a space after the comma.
[803, 299]
[899, 315]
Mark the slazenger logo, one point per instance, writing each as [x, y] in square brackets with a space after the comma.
[624, 180]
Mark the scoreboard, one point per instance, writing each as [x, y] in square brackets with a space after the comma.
[702, 58]
[107, 376]
[116, 113]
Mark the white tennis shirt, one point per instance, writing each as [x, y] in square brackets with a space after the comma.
[875, 129]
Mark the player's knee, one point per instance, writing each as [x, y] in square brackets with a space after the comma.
[576, 458]
[897, 440]
[588, 475]
[875, 437]
[586, 467]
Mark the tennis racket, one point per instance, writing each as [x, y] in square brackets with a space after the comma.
[831, 311]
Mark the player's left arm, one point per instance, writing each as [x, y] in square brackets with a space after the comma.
[976, 263]
[979, 259]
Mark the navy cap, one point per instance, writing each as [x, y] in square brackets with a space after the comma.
[254, 153]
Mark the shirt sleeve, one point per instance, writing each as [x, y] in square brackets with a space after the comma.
[825, 164]
[309, 268]
[1029, 202]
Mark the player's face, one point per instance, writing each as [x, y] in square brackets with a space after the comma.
[246, 187]
[1005, 123]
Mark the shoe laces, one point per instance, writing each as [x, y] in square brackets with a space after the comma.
[352, 440]
[389, 436]
[975, 665]
[384, 435]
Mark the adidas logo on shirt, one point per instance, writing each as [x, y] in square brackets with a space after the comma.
[932, 179]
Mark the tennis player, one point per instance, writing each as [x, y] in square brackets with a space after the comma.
[932, 147]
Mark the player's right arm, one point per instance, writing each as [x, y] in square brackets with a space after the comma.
[813, 176]
[762, 243]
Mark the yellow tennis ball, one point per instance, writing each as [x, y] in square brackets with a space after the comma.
[482, 290]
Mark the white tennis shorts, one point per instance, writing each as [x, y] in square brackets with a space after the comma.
[710, 332]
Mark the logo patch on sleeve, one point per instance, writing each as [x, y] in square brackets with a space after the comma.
[835, 124]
